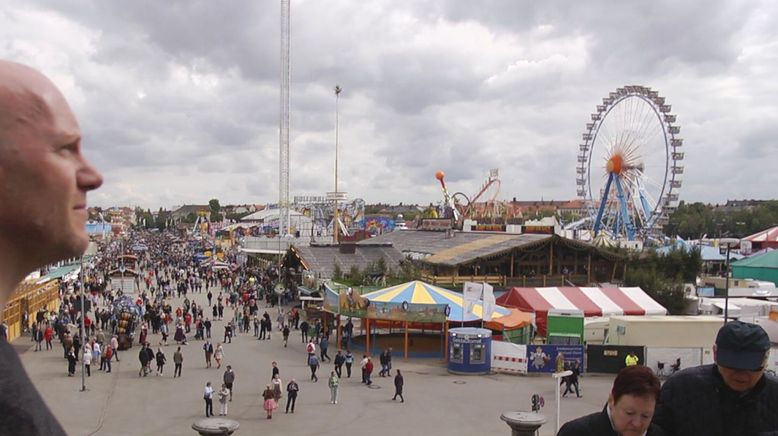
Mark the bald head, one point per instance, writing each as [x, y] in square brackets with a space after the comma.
[43, 176]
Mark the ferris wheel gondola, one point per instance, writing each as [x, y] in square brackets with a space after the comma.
[628, 169]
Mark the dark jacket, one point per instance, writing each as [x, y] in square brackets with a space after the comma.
[696, 401]
[598, 424]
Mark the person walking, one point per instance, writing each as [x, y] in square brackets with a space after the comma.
[115, 346]
[143, 357]
[276, 371]
[285, 332]
[324, 344]
[38, 337]
[87, 361]
[218, 354]
[291, 394]
[224, 393]
[313, 363]
[108, 353]
[348, 360]
[339, 360]
[208, 350]
[208, 397]
[278, 388]
[178, 360]
[304, 331]
[333, 384]
[229, 379]
[572, 380]
[161, 359]
[369, 371]
[72, 359]
[363, 366]
[270, 402]
[398, 386]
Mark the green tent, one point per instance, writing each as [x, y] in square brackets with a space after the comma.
[761, 267]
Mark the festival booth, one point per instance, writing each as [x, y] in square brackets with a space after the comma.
[591, 301]
[416, 306]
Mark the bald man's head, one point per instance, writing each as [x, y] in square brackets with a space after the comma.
[43, 176]
[24, 93]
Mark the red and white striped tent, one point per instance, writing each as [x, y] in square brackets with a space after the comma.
[765, 239]
[591, 301]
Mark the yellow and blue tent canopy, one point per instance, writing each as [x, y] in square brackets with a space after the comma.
[417, 292]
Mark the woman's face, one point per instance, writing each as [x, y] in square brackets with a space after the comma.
[631, 415]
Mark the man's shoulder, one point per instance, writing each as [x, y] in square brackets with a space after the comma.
[21, 405]
[702, 374]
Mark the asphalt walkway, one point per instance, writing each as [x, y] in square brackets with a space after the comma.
[437, 403]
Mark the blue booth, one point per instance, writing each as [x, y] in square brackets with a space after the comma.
[469, 350]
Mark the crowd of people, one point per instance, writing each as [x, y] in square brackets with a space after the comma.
[172, 292]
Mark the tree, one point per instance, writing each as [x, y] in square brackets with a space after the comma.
[337, 272]
[216, 208]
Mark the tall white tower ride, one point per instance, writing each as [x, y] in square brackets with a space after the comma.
[283, 173]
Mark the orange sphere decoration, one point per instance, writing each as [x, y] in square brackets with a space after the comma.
[615, 164]
[439, 175]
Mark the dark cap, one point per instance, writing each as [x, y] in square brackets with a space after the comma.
[741, 345]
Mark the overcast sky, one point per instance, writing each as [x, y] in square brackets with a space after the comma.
[179, 100]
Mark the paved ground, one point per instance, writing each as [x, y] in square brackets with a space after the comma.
[121, 403]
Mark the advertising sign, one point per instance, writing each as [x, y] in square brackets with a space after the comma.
[542, 358]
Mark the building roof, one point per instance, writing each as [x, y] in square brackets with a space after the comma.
[459, 248]
[322, 258]
[264, 214]
[768, 235]
[440, 247]
[766, 260]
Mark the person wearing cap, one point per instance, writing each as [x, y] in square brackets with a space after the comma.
[731, 397]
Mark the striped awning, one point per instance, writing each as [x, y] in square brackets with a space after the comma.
[418, 292]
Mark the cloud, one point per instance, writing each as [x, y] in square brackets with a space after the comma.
[179, 101]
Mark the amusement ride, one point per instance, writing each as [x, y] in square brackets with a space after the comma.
[628, 169]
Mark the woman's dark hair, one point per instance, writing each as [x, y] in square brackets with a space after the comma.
[637, 380]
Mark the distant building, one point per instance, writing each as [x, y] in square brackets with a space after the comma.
[184, 211]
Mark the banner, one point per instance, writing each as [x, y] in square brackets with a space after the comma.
[542, 358]
[471, 293]
[489, 302]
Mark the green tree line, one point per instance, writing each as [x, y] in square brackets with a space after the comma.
[695, 220]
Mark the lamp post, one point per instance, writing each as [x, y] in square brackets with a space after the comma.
[83, 314]
[335, 222]
[727, 243]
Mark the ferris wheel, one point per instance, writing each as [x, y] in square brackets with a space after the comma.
[628, 170]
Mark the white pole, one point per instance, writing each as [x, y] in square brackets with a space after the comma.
[83, 314]
[556, 376]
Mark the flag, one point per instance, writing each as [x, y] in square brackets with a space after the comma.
[489, 302]
[471, 293]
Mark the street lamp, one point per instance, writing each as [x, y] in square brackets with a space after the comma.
[335, 222]
[726, 244]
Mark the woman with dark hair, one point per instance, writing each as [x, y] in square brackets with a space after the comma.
[629, 410]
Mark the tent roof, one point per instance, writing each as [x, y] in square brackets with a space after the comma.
[768, 235]
[591, 301]
[765, 260]
[417, 292]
